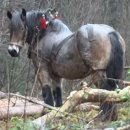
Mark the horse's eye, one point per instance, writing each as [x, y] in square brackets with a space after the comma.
[22, 28]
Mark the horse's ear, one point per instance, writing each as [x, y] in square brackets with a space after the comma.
[54, 10]
[23, 14]
[55, 13]
[9, 15]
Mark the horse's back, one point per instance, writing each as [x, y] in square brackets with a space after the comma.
[98, 32]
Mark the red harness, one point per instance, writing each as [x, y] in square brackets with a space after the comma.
[43, 22]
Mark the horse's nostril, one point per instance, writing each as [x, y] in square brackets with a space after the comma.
[13, 53]
[13, 50]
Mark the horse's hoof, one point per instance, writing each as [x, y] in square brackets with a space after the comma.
[110, 117]
[58, 105]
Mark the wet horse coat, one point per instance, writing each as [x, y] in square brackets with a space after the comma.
[64, 54]
[83, 52]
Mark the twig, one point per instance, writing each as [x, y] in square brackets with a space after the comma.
[127, 67]
[26, 89]
[7, 124]
[93, 118]
[125, 83]
[35, 79]
[36, 101]
[88, 126]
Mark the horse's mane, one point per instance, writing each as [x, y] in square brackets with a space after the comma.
[33, 18]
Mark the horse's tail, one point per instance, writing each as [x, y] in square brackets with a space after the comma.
[114, 70]
[116, 63]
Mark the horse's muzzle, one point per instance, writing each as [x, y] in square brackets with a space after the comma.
[14, 50]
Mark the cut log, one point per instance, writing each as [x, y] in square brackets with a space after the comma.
[16, 107]
[13, 102]
[18, 111]
[2, 95]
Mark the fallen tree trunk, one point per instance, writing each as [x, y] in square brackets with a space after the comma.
[14, 101]
[86, 95]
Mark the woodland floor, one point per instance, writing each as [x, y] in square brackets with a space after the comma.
[79, 120]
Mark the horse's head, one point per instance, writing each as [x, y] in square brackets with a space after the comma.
[22, 27]
[17, 31]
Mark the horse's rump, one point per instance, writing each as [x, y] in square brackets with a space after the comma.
[95, 46]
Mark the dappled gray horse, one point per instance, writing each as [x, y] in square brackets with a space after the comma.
[92, 49]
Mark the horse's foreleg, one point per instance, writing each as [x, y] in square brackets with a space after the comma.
[57, 93]
[45, 82]
[47, 95]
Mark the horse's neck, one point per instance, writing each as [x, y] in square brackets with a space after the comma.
[30, 33]
[32, 23]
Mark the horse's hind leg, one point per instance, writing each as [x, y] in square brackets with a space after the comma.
[109, 109]
[114, 70]
[57, 93]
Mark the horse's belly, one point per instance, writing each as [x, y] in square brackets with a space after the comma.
[71, 69]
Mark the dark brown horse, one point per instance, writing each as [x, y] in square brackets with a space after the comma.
[92, 49]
